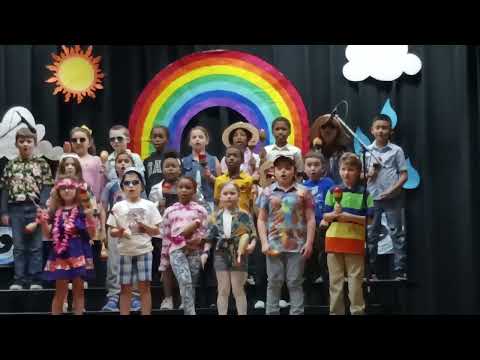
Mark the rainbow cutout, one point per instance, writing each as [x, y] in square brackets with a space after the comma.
[233, 79]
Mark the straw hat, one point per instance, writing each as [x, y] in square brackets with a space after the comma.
[241, 125]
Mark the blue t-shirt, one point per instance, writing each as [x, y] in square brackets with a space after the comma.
[319, 190]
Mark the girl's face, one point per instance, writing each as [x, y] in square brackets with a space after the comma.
[328, 133]
[185, 190]
[198, 140]
[240, 137]
[159, 138]
[132, 186]
[68, 194]
[80, 143]
[122, 163]
[171, 169]
[69, 167]
[229, 196]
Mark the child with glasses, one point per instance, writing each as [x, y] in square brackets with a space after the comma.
[119, 138]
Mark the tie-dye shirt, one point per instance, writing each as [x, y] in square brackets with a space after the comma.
[176, 218]
[287, 222]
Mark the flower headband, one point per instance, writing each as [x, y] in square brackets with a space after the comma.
[66, 183]
[85, 127]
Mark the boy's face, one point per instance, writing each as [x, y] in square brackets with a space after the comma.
[171, 169]
[159, 139]
[185, 191]
[229, 196]
[118, 140]
[25, 146]
[281, 131]
[284, 172]
[122, 163]
[381, 130]
[233, 159]
[198, 140]
[313, 168]
[132, 186]
[240, 137]
[349, 174]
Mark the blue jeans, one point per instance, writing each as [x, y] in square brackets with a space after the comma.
[27, 249]
[393, 209]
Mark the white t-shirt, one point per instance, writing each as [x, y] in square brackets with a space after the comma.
[227, 223]
[126, 214]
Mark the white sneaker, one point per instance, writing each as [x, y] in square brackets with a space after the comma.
[167, 304]
[85, 285]
[318, 280]
[251, 280]
[181, 306]
[36, 287]
[16, 287]
[283, 304]
[65, 307]
[259, 305]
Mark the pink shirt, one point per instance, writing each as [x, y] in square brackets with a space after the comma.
[177, 217]
[93, 174]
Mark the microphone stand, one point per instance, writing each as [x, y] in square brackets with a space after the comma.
[365, 149]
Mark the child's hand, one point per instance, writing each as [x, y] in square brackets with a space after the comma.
[323, 224]
[89, 213]
[343, 217]
[386, 194]
[330, 217]
[42, 216]
[250, 248]
[265, 248]
[5, 219]
[203, 259]
[306, 250]
[337, 208]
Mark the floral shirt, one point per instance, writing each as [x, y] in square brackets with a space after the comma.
[287, 223]
[227, 247]
[25, 178]
[176, 218]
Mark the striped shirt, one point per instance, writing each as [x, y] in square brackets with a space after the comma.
[348, 237]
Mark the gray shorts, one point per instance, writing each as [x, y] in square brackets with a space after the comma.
[135, 268]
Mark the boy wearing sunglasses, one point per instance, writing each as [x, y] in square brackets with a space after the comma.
[119, 138]
[134, 221]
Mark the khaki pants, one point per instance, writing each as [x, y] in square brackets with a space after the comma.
[353, 266]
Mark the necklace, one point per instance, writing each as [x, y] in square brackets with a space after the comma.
[63, 228]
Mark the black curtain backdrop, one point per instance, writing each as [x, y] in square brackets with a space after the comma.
[437, 128]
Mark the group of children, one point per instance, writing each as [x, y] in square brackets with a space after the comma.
[205, 211]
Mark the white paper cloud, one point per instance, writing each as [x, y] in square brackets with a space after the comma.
[382, 62]
[11, 122]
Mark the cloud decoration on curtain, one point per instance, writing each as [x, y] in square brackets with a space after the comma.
[16, 118]
[381, 62]
[413, 175]
[76, 73]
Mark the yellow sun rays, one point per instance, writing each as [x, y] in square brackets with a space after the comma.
[76, 74]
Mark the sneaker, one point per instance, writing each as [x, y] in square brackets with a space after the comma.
[136, 304]
[65, 307]
[283, 304]
[373, 277]
[16, 286]
[111, 305]
[36, 286]
[167, 304]
[251, 280]
[70, 286]
[213, 306]
[181, 306]
[85, 285]
[259, 305]
[318, 280]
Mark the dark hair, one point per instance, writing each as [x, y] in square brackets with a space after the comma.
[315, 155]
[281, 119]
[189, 178]
[164, 128]
[237, 148]
[78, 168]
[171, 154]
[140, 177]
[350, 159]
[25, 133]
[124, 152]
[249, 135]
[91, 149]
[121, 127]
[382, 117]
